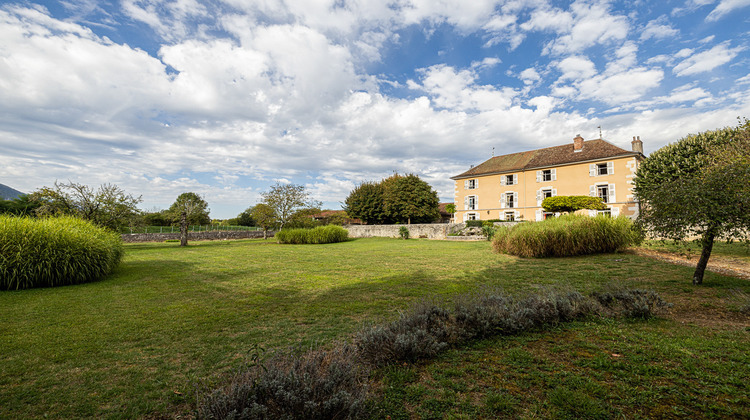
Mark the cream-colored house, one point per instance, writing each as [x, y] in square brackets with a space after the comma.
[512, 187]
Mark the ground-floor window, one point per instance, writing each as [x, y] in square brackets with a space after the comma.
[548, 215]
[472, 216]
[607, 212]
[510, 216]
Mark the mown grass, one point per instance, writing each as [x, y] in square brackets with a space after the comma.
[169, 319]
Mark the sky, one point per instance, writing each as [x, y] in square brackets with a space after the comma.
[225, 98]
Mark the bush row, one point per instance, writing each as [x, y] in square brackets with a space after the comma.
[567, 235]
[332, 384]
[54, 252]
[318, 235]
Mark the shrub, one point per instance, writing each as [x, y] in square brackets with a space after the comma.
[403, 232]
[54, 252]
[318, 235]
[473, 223]
[631, 303]
[567, 235]
[317, 384]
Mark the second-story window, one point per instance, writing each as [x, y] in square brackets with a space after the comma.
[547, 175]
[510, 201]
[509, 180]
[602, 191]
[601, 169]
[472, 202]
[472, 184]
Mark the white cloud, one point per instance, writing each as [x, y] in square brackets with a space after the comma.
[530, 76]
[725, 7]
[658, 29]
[576, 67]
[622, 87]
[707, 60]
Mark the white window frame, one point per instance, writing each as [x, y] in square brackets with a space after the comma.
[540, 175]
[540, 194]
[471, 184]
[468, 202]
[514, 215]
[611, 196]
[595, 168]
[471, 216]
[504, 200]
[512, 178]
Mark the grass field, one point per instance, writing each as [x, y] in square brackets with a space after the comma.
[170, 319]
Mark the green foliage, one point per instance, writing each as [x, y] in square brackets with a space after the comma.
[403, 232]
[698, 186]
[488, 229]
[193, 205]
[567, 235]
[450, 208]
[109, 206]
[288, 199]
[572, 203]
[265, 216]
[20, 206]
[246, 218]
[408, 199]
[318, 235]
[474, 223]
[157, 218]
[317, 384]
[54, 252]
[365, 202]
[397, 199]
[303, 219]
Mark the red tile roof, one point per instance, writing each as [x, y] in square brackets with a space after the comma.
[547, 157]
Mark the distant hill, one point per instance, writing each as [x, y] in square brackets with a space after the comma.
[8, 193]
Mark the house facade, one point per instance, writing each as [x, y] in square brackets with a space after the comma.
[512, 187]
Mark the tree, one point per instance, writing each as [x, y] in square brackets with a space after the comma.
[246, 218]
[303, 218]
[450, 208]
[109, 206]
[572, 203]
[698, 186]
[20, 206]
[365, 202]
[409, 199]
[189, 208]
[286, 199]
[396, 199]
[264, 216]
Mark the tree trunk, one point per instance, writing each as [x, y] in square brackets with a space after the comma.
[183, 229]
[707, 243]
[265, 234]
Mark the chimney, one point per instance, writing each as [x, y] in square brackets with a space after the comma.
[637, 144]
[578, 143]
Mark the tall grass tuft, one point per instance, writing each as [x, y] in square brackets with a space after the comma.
[318, 235]
[54, 252]
[567, 235]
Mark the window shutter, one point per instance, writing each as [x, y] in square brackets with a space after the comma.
[516, 215]
[554, 174]
[592, 190]
[554, 192]
[592, 169]
[502, 180]
[515, 199]
[538, 215]
[610, 168]
[502, 201]
[515, 179]
[612, 193]
[466, 184]
[476, 183]
[538, 197]
[476, 202]
[466, 203]
[615, 211]
[538, 176]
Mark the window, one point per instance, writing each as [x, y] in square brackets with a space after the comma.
[548, 215]
[510, 200]
[601, 169]
[471, 202]
[602, 191]
[607, 213]
[471, 216]
[543, 193]
[546, 193]
[471, 184]
[510, 216]
[510, 180]
[546, 175]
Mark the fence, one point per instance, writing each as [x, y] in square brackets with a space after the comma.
[191, 228]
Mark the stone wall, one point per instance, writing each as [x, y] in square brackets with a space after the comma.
[430, 231]
[195, 236]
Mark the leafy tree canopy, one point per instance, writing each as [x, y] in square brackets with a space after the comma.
[108, 206]
[246, 218]
[572, 203]
[698, 186]
[264, 216]
[193, 205]
[286, 199]
[397, 199]
[20, 206]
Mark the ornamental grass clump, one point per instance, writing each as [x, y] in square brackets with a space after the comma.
[567, 235]
[318, 235]
[54, 252]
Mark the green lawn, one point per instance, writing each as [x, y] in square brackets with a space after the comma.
[138, 343]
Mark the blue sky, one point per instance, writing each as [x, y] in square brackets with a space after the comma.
[226, 97]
